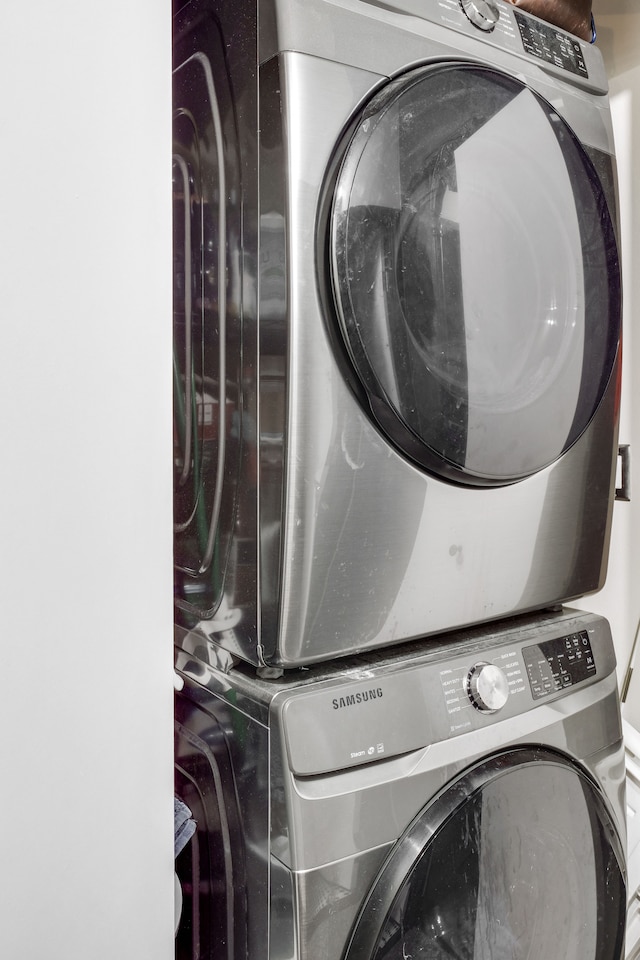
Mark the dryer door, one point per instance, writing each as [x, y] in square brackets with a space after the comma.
[475, 273]
[518, 859]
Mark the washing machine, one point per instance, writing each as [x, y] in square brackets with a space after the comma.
[397, 321]
[461, 800]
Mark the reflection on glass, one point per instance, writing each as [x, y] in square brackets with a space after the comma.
[474, 269]
[522, 870]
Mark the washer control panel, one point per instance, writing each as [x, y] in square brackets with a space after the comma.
[551, 45]
[515, 674]
[559, 663]
[382, 705]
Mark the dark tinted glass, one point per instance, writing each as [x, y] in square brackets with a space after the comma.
[475, 273]
[527, 867]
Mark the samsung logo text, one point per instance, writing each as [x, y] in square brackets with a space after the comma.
[354, 698]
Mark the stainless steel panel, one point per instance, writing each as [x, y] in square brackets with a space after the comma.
[373, 716]
[349, 31]
[328, 901]
[323, 815]
[339, 544]
[608, 768]
[363, 801]
[373, 550]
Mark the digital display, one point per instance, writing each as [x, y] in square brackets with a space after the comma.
[560, 663]
[549, 44]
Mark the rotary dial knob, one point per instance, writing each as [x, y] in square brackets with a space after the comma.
[487, 687]
[483, 14]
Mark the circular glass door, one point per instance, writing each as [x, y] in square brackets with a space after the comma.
[475, 273]
[517, 860]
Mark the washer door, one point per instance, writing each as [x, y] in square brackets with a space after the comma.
[475, 273]
[518, 859]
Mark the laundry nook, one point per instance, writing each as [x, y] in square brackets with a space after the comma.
[320, 523]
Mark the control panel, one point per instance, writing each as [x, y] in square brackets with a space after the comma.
[512, 30]
[559, 663]
[551, 45]
[386, 706]
[548, 666]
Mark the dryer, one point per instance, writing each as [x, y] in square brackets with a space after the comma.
[461, 800]
[397, 302]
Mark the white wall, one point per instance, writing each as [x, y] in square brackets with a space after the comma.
[85, 546]
[618, 25]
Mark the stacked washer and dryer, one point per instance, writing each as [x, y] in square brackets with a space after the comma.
[397, 359]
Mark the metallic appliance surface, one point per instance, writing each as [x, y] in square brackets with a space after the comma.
[333, 766]
[341, 543]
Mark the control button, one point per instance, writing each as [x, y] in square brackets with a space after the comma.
[487, 687]
[483, 14]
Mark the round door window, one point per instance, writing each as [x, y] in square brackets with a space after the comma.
[475, 273]
[518, 860]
